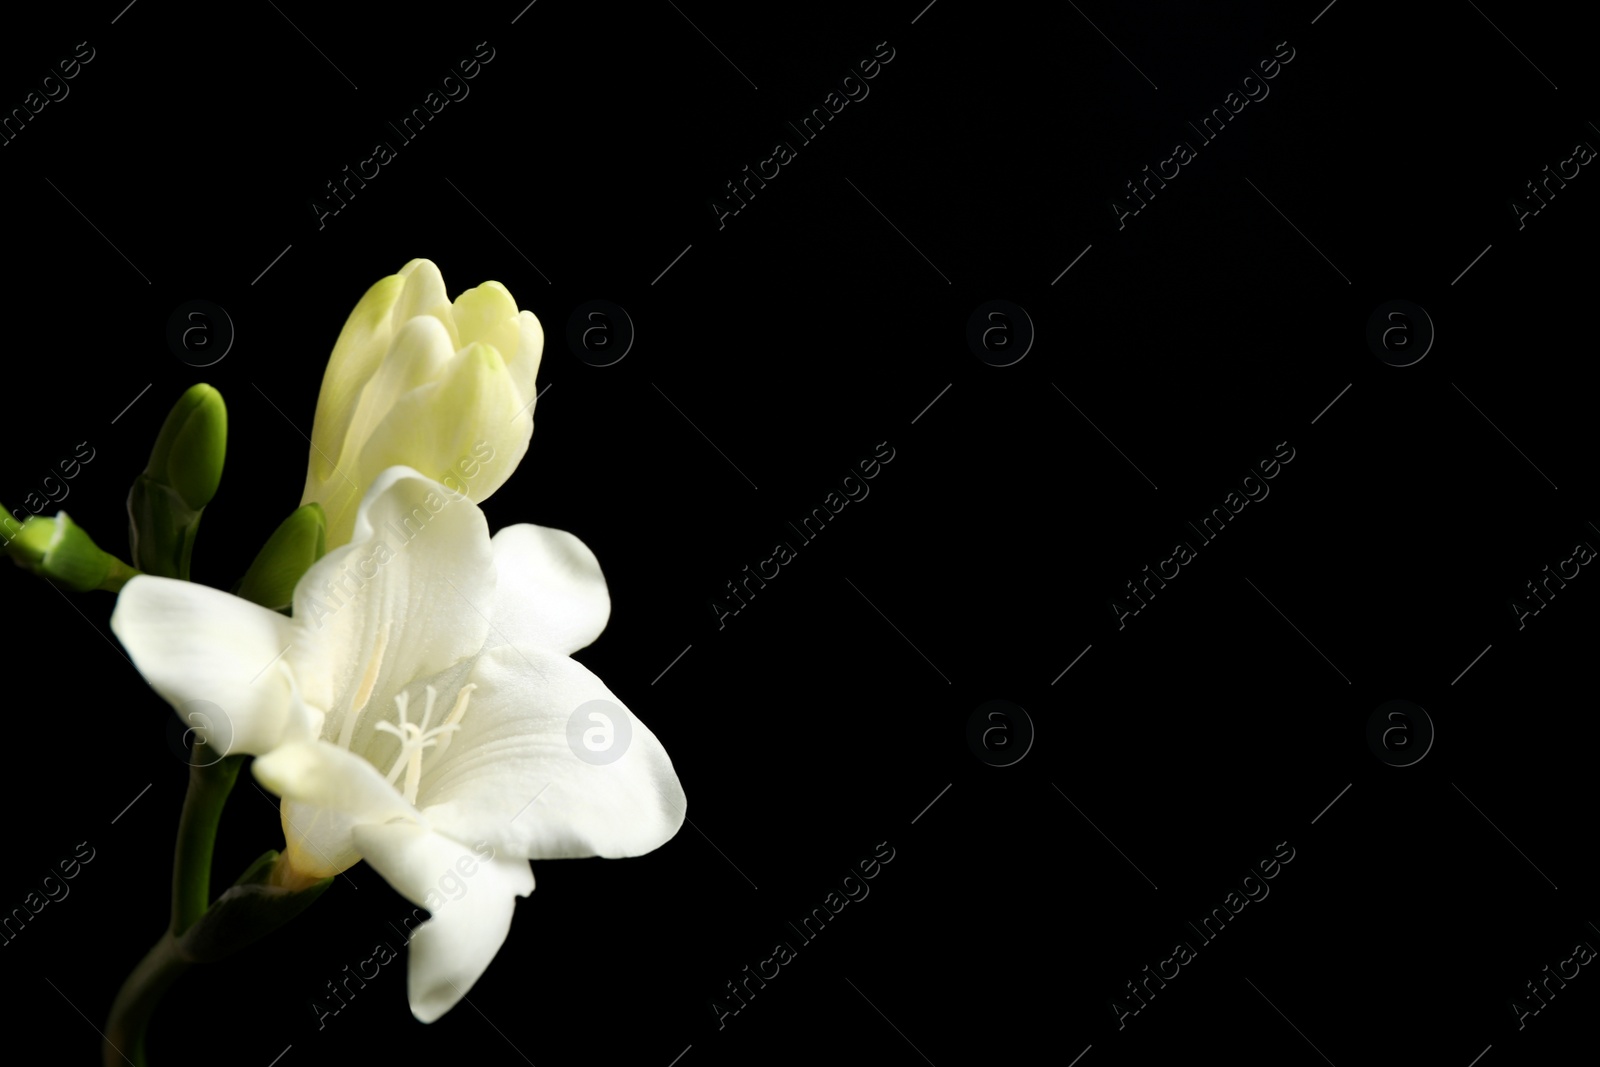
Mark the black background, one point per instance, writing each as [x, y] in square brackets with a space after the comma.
[826, 716]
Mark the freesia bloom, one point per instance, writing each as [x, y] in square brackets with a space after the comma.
[418, 381]
[419, 703]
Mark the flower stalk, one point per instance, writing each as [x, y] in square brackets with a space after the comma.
[141, 993]
[209, 787]
[59, 551]
[201, 929]
[137, 1000]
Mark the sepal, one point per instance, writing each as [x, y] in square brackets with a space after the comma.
[247, 911]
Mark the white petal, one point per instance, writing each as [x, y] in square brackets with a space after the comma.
[411, 591]
[327, 793]
[214, 656]
[510, 776]
[549, 592]
[470, 897]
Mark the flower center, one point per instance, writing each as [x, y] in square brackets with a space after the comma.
[414, 738]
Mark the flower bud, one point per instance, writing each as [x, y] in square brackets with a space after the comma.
[190, 448]
[297, 543]
[185, 468]
[415, 380]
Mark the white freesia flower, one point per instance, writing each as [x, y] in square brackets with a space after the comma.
[418, 381]
[418, 705]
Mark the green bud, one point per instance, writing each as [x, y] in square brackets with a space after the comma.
[185, 468]
[190, 448]
[59, 550]
[297, 543]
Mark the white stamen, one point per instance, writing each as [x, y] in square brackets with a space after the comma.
[414, 737]
[456, 712]
[364, 693]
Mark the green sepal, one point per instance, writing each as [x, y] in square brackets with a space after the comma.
[247, 911]
[297, 543]
[161, 528]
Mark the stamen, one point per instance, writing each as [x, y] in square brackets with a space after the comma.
[364, 693]
[427, 712]
[415, 737]
[401, 733]
[454, 717]
[414, 772]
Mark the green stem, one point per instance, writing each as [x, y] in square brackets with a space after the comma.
[137, 1000]
[118, 575]
[191, 894]
[197, 833]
